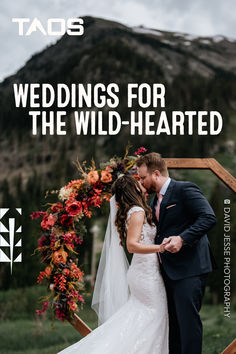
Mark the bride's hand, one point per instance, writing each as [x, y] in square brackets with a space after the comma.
[162, 248]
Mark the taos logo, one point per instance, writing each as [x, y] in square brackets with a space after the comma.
[55, 26]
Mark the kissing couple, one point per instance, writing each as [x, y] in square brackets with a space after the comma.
[152, 305]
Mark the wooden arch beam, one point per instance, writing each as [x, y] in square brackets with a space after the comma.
[231, 349]
[205, 164]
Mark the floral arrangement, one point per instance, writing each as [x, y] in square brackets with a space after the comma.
[63, 229]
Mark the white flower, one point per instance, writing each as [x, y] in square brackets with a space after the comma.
[65, 193]
[51, 286]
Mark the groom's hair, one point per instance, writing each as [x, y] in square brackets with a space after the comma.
[153, 161]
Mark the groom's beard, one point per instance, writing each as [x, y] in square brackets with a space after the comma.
[151, 189]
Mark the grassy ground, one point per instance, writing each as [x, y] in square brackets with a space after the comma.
[36, 336]
[33, 336]
[218, 331]
[30, 335]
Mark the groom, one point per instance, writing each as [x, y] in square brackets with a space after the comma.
[182, 216]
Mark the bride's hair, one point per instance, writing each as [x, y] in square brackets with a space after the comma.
[128, 194]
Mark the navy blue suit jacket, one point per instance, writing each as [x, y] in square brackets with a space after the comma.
[185, 211]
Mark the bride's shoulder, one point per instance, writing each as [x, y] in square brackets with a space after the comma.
[133, 209]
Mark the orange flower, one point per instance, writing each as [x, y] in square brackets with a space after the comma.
[136, 176]
[48, 271]
[70, 286]
[96, 201]
[106, 197]
[75, 184]
[106, 177]
[92, 177]
[76, 273]
[88, 213]
[60, 256]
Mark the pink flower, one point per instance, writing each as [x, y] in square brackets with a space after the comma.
[48, 221]
[80, 298]
[140, 150]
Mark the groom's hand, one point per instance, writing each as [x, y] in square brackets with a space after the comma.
[173, 243]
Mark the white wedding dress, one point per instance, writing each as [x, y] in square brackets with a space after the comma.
[141, 325]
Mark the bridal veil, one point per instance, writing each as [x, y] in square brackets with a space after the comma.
[111, 290]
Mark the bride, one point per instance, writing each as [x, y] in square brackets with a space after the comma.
[130, 300]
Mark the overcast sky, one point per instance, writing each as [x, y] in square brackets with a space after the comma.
[200, 17]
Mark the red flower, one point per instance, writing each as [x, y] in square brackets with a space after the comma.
[37, 214]
[45, 307]
[52, 239]
[97, 190]
[73, 306]
[62, 283]
[95, 201]
[48, 221]
[78, 240]
[41, 276]
[41, 241]
[60, 280]
[74, 208]
[66, 220]
[88, 213]
[60, 314]
[57, 207]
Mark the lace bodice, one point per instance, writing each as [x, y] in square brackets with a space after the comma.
[148, 232]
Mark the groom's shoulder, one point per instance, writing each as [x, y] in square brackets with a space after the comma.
[185, 185]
